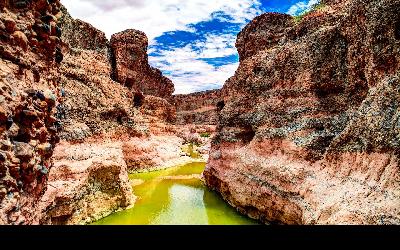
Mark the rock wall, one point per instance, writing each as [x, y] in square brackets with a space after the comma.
[132, 69]
[29, 58]
[94, 103]
[197, 108]
[264, 32]
[78, 34]
[88, 182]
[56, 83]
[309, 133]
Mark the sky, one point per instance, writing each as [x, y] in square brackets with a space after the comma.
[191, 41]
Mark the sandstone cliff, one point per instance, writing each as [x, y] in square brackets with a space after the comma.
[309, 132]
[29, 58]
[56, 82]
[94, 103]
[87, 183]
[97, 117]
[197, 108]
[132, 69]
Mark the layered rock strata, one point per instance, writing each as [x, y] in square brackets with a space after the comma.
[94, 103]
[89, 180]
[56, 82]
[87, 183]
[309, 133]
[197, 108]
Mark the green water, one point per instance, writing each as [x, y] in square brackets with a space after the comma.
[176, 202]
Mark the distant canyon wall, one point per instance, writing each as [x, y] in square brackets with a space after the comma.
[95, 101]
[198, 108]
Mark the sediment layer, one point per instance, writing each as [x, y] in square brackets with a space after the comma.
[309, 133]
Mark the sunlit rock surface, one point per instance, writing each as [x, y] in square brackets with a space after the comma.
[309, 133]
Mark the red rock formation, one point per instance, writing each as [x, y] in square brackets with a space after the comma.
[87, 183]
[51, 88]
[129, 50]
[94, 103]
[29, 79]
[310, 129]
[197, 108]
[89, 179]
[264, 32]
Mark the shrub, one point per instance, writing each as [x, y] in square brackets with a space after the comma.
[205, 135]
[315, 7]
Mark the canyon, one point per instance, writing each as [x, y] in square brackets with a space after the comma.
[307, 131]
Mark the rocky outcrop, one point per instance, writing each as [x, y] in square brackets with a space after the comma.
[29, 57]
[156, 152]
[132, 69]
[56, 82]
[94, 104]
[264, 32]
[156, 109]
[197, 108]
[87, 183]
[78, 34]
[309, 133]
[96, 114]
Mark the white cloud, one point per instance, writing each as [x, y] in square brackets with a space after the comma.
[191, 74]
[299, 7]
[217, 46]
[155, 17]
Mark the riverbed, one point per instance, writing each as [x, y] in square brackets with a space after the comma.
[175, 196]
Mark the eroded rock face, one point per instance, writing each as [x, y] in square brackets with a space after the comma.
[129, 51]
[29, 57]
[94, 104]
[264, 32]
[155, 152]
[96, 115]
[87, 183]
[56, 82]
[198, 108]
[81, 35]
[309, 133]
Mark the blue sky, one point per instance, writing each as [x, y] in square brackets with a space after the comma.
[191, 41]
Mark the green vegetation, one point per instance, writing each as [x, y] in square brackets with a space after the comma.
[193, 153]
[205, 135]
[315, 7]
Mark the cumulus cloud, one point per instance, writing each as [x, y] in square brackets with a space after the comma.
[191, 74]
[299, 7]
[155, 17]
[216, 46]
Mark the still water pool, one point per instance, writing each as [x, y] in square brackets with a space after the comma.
[173, 197]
